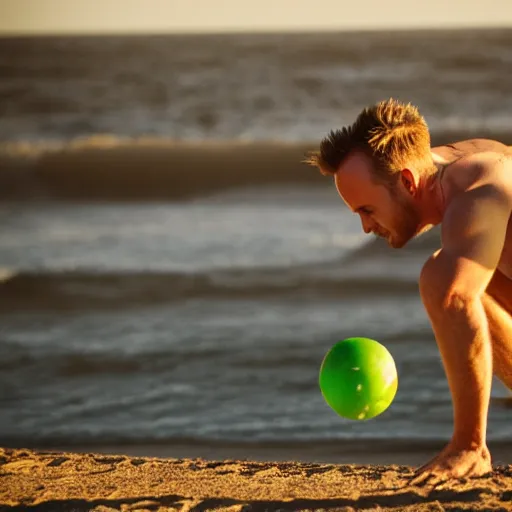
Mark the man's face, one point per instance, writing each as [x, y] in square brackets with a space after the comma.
[390, 214]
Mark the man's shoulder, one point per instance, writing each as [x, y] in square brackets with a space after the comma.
[464, 148]
[485, 174]
[485, 166]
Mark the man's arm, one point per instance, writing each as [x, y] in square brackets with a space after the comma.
[452, 283]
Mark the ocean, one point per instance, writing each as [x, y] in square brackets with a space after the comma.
[204, 319]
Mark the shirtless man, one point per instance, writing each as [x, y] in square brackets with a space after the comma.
[386, 171]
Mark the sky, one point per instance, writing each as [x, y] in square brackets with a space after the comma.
[172, 16]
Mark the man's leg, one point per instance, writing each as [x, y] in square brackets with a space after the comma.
[497, 303]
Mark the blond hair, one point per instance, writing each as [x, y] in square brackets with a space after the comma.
[393, 134]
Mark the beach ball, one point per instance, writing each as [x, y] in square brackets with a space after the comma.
[358, 378]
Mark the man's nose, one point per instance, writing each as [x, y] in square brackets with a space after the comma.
[366, 225]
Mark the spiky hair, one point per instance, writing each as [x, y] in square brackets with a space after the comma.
[391, 133]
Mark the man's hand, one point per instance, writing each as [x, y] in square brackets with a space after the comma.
[454, 463]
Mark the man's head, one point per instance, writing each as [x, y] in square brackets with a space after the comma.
[378, 164]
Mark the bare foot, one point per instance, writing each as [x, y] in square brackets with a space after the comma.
[454, 463]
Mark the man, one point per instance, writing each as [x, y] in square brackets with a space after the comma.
[385, 170]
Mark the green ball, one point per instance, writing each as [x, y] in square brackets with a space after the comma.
[358, 378]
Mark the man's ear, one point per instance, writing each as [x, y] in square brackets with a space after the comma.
[409, 181]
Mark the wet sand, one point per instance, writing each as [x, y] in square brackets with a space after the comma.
[64, 481]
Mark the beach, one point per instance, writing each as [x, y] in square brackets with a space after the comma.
[243, 460]
[172, 274]
[140, 425]
[62, 481]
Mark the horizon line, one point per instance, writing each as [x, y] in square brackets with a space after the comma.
[255, 31]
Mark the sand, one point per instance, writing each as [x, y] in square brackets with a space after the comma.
[59, 481]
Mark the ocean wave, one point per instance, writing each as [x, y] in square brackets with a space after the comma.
[105, 290]
[110, 167]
